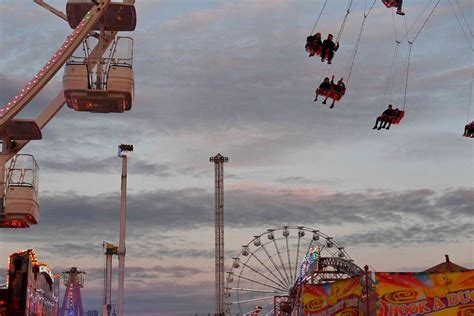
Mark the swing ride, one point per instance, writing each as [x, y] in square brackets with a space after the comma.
[335, 92]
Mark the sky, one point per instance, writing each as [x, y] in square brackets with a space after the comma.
[232, 77]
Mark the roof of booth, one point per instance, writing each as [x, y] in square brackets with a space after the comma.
[446, 266]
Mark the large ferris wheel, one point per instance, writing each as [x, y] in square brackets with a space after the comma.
[267, 275]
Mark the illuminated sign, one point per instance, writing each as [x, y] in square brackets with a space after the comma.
[311, 259]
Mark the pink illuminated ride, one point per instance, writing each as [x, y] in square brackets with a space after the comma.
[100, 80]
[32, 289]
[72, 301]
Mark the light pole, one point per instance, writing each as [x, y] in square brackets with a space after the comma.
[122, 150]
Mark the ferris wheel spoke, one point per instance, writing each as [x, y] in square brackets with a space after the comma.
[310, 245]
[263, 275]
[266, 285]
[322, 248]
[267, 268]
[281, 261]
[296, 258]
[285, 281]
[257, 291]
[289, 261]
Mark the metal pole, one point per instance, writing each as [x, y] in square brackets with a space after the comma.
[3, 161]
[110, 250]
[109, 282]
[121, 249]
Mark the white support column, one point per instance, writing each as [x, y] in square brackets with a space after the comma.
[123, 218]
[121, 249]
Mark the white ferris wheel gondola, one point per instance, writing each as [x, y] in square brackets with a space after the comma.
[21, 208]
[94, 82]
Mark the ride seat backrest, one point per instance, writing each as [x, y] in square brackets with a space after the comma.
[390, 3]
[397, 119]
[311, 47]
[470, 131]
[331, 94]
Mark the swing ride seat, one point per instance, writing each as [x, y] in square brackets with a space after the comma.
[398, 118]
[314, 49]
[331, 94]
[322, 92]
[118, 16]
[390, 3]
[469, 131]
[116, 98]
[318, 51]
[393, 119]
[336, 95]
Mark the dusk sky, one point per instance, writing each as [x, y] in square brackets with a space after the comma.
[232, 77]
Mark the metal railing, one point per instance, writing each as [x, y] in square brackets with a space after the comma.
[120, 54]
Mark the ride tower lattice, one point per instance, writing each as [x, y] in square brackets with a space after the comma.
[72, 302]
[219, 161]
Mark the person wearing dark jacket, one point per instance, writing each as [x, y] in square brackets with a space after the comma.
[339, 88]
[328, 48]
[323, 87]
[469, 130]
[385, 118]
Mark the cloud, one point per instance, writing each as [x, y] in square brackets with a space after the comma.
[106, 166]
[412, 235]
[293, 179]
[250, 207]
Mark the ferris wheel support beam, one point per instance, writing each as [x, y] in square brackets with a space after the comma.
[11, 148]
[61, 56]
[51, 9]
[55, 106]
[22, 99]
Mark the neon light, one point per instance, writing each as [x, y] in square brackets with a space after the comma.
[65, 45]
[311, 259]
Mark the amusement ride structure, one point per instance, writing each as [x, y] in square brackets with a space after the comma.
[269, 272]
[219, 161]
[100, 81]
[32, 288]
[72, 301]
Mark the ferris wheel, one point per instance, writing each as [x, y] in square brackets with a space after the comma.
[267, 275]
